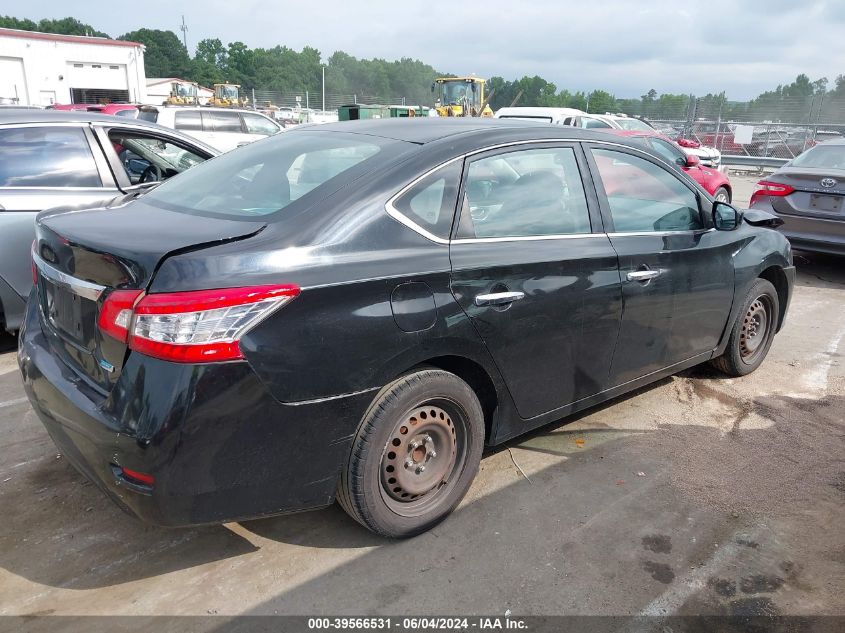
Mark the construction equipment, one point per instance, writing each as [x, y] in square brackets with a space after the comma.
[227, 96]
[182, 93]
[460, 96]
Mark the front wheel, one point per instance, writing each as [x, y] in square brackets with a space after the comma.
[752, 332]
[415, 455]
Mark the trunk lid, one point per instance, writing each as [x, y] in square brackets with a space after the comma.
[818, 192]
[83, 255]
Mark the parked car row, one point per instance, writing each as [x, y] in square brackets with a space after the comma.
[708, 156]
[716, 183]
[354, 312]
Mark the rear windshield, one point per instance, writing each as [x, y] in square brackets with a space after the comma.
[266, 176]
[822, 157]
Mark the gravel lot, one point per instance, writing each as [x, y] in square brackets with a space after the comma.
[695, 495]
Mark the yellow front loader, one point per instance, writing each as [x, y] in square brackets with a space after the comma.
[461, 96]
[227, 96]
[182, 93]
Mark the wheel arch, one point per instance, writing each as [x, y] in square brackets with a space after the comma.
[479, 380]
[775, 275]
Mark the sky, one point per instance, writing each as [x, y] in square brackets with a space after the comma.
[742, 47]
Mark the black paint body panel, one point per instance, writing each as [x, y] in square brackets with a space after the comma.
[270, 434]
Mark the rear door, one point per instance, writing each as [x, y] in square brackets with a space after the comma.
[43, 166]
[677, 273]
[534, 270]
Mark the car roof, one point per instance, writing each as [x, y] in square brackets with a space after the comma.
[13, 117]
[423, 130]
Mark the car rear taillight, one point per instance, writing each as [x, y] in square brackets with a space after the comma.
[772, 189]
[200, 326]
[116, 313]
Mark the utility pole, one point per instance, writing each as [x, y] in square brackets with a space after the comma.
[184, 28]
[324, 88]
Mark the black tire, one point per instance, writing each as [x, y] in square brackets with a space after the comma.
[722, 191]
[411, 422]
[753, 331]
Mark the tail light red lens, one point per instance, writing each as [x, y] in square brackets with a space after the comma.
[192, 327]
[138, 477]
[116, 313]
[771, 189]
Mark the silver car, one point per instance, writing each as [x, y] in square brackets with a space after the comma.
[808, 193]
[55, 158]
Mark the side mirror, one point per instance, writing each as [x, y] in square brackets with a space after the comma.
[433, 86]
[692, 160]
[725, 217]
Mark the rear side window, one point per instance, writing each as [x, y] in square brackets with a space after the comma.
[46, 157]
[265, 177]
[431, 202]
[215, 121]
[188, 120]
[527, 193]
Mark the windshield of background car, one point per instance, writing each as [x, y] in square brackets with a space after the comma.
[267, 176]
[822, 157]
[634, 124]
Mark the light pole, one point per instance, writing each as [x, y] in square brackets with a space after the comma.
[324, 89]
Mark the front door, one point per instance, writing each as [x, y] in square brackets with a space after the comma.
[677, 272]
[537, 275]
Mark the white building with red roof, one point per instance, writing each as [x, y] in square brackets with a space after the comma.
[45, 69]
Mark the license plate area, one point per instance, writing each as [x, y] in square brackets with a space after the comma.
[69, 314]
[828, 204]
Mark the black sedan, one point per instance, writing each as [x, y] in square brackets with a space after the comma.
[352, 311]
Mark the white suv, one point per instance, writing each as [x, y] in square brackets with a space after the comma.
[222, 128]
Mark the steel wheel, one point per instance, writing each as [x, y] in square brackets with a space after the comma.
[755, 329]
[427, 447]
[415, 454]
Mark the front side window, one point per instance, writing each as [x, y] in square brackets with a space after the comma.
[644, 197]
[534, 192]
[150, 159]
[257, 124]
[590, 123]
[668, 151]
[431, 202]
[46, 157]
[266, 177]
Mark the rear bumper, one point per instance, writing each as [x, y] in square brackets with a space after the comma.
[815, 243]
[218, 444]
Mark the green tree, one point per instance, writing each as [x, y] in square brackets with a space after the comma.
[165, 55]
[62, 26]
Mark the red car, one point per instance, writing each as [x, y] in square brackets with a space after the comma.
[711, 180]
[117, 109]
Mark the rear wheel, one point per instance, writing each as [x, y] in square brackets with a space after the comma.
[752, 332]
[416, 453]
[722, 195]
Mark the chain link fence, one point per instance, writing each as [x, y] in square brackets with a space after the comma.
[314, 100]
[776, 127]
